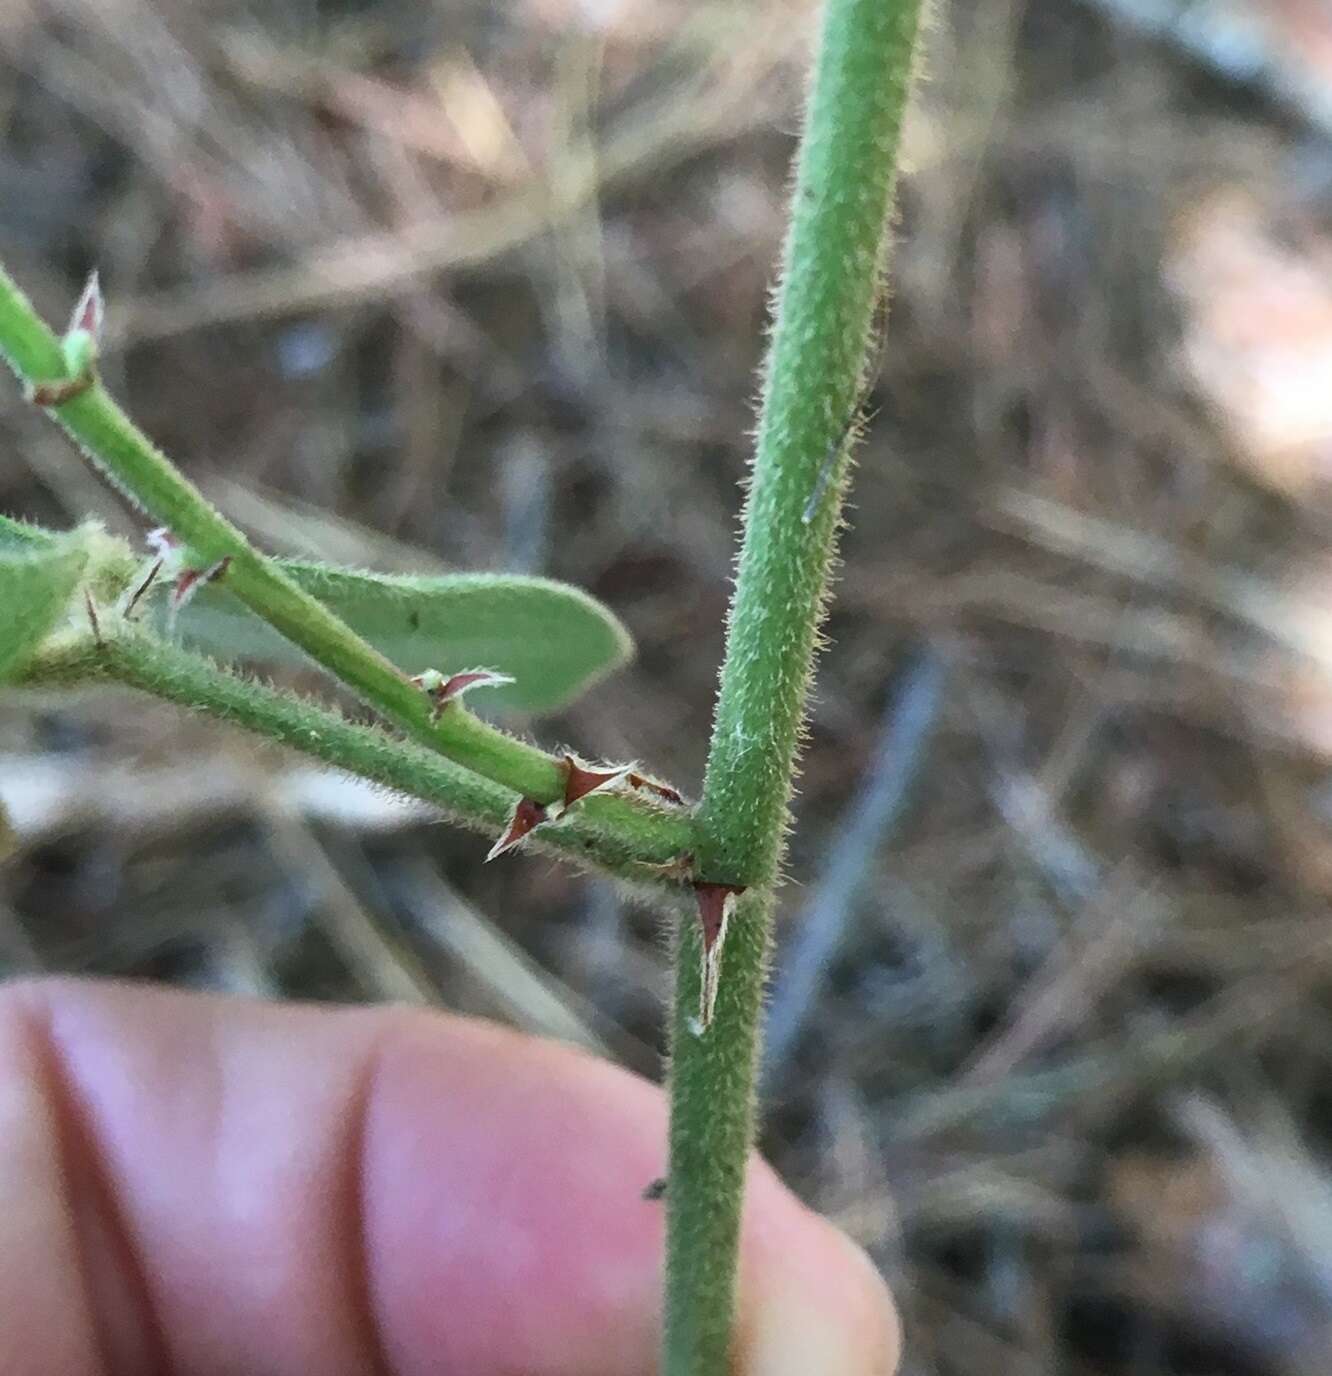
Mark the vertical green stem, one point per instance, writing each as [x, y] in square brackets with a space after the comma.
[834, 260]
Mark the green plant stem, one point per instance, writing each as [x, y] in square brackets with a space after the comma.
[143, 662]
[834, 260]
[126, 456]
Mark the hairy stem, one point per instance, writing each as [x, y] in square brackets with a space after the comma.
[142, 661]
[125, 455]
[834, 261]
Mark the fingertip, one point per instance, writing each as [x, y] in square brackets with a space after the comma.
[505, 1224]
[813, 1303]
[872, 1316]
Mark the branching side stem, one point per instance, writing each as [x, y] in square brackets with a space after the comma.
[138, 660]
[130, 460]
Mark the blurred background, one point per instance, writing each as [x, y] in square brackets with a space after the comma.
[419, 285]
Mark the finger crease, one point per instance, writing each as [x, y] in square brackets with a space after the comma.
[356, 1192]
[80, 1161]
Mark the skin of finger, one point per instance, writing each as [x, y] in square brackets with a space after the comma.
[221, 1139]
[43, 1300]
[309, 1189]
[812, 1303]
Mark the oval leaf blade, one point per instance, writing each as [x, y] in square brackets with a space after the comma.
[551, 639]
[37, 579]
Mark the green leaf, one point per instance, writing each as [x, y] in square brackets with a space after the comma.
[37, 579]
[20, 535]
[552, 639]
